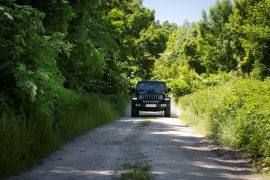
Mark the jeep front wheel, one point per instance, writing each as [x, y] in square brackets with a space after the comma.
[134, 112]
[167, 112]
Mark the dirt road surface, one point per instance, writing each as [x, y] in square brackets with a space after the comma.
[170, 148]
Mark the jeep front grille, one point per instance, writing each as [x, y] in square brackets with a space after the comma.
[150, 99]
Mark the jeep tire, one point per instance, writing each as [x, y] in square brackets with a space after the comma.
[134, 112]
[167, 112]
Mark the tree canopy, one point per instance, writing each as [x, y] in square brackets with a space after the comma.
[230, 37]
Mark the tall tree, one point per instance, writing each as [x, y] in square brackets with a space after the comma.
[250, 26]
[215, 41]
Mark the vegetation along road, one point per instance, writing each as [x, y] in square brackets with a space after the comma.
[68, 67]
[147, 147]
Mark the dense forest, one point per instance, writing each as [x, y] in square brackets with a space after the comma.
[66, 66]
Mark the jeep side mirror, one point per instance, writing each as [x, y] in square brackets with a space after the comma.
[169, 90]
[133, 89]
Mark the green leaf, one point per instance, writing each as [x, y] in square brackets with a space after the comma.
[9, 16]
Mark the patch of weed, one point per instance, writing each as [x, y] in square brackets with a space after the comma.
[145, 123]
[136, 171]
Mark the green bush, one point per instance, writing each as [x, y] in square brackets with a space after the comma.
[214, 79]
[235, 114]
[188, 81]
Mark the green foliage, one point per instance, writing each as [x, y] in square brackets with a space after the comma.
[185, 82]
[179, 65]
[251, 38]
[215, 79]
[228, 38]
[25, 138]
[182, 48]
[31, 75]
[189, 81]
[78, 113]
[182, 80]
[204, 59]
[53, 55]
[58, 15]
[235, 114]
[215, 40]
[154, 40]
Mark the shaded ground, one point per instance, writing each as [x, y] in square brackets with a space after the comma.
[170, 148]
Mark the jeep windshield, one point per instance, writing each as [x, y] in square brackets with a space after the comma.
[151, 87]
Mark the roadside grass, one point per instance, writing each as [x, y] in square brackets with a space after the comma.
[88, 112]
[197, 123]
[136, 171]
[27, 138]
[235, 115]
[145, 123]
[264, 175]
[24, 141]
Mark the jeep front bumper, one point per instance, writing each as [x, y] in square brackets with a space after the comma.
[151, 106]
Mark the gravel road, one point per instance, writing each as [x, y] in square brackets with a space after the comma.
[170, 148]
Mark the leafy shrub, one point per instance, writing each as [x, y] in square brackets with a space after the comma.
[187, 81]
[215, 79]
[235, 114]
[179, 88]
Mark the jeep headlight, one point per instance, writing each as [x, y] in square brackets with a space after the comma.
[140, 97]
[160, 97]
